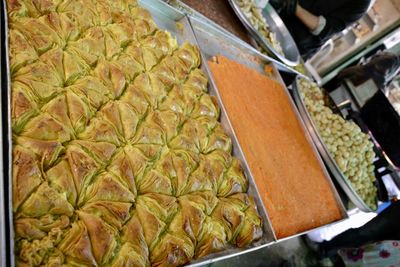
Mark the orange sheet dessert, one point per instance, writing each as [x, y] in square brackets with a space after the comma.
[288, 175]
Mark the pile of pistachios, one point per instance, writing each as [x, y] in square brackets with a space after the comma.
[348, 145]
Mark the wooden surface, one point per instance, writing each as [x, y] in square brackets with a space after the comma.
[221, 13]
[288, 175]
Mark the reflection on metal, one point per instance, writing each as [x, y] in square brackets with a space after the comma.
[344, 104]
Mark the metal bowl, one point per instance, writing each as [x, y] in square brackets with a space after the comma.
[291, 55]
[323, 150]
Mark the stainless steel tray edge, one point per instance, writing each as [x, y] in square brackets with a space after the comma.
[195, 14]
[264, 43]
[7, 246]
[237, 152]
[196, 24]
[320, 160]
[323, 150]
[310, 140]
[3, 251]
[163, 7]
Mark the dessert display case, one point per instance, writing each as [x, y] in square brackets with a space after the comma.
[212, 41]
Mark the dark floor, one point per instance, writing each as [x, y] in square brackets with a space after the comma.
[289, 253]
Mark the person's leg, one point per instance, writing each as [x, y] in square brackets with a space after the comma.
[385, 226]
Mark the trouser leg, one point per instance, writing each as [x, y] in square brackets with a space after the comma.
[385, 226]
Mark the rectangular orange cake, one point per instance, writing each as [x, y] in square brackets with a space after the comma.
[288, 174]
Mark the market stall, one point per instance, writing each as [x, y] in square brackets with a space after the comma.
[143, 133]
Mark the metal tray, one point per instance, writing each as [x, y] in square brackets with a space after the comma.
[195, 14]
[323, 150]
[167, 17]
[226, 47]
[212, 42]
[291, 55]
[177, 23]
